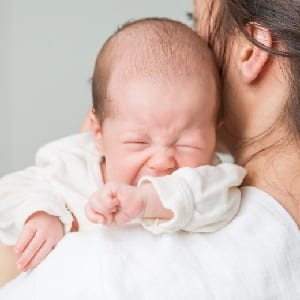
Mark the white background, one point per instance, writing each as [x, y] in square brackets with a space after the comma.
[47, 54]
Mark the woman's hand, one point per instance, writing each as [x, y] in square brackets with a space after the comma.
[87, 124]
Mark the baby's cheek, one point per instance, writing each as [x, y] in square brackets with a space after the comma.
[125, 173]
[199, 159]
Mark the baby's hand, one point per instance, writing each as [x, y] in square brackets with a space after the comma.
[40, 235]
[115, 204]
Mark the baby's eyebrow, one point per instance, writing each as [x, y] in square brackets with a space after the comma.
[134, 134]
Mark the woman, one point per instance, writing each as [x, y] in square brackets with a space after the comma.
[257, 44]
[257, 255]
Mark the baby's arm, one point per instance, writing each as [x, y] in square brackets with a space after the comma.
[202, 199]
[22, 195]
[199, 199]
[117, 204]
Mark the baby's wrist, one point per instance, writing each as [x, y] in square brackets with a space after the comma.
[151, 204]
[145, 194]
[74, 226]
[142, 199]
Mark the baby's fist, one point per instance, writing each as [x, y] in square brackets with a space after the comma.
[115, 204]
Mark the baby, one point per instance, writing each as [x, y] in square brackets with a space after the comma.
[155, 113]
[155, 109]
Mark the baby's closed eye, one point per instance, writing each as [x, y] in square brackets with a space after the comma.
[136, 144]
[188, 147]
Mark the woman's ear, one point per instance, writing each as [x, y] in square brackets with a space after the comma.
[220, 123]
[252, 58]
[96, 130]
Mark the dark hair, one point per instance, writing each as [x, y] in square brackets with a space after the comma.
[282, 19]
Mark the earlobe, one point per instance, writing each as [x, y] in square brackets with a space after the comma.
[253, 58]
[220, 124]
[96, 130]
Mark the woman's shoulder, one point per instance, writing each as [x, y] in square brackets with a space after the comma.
[259, 209]
[255, 256]
[260, 248]
[262, 233]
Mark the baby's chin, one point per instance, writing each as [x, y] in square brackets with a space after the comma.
[133, 182]
[136, 180]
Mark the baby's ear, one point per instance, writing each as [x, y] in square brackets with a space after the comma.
[96, 130]
[253, 58]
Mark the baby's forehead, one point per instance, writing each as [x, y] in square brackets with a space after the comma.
[157, 49]
[163, 51]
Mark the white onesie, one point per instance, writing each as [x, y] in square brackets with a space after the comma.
[67, 173]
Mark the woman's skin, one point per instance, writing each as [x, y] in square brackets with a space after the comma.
[7, 263]
[87, 124]
[255, 86]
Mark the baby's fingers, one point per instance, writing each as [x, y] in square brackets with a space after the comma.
[29, 252]
[110, 203]
[40, 255]
[93, 216]
[27, 235]
[104, 218]
[104, 204]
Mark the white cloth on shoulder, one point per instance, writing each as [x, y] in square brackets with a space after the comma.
[254, 257]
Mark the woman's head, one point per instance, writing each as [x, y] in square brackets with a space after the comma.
[257, 44]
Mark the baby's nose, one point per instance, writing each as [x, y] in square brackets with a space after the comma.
[162, 162]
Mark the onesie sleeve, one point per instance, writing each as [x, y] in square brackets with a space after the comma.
[31, 190]
[202, 199]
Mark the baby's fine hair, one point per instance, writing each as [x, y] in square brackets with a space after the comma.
[156, 48]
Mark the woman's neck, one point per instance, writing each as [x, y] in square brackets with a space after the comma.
[272, 166]
[277, 172]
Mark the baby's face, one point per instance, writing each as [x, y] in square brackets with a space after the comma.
[155, 127]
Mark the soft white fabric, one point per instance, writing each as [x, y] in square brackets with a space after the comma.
[202, 199]
[67, 173]
[254, 257]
